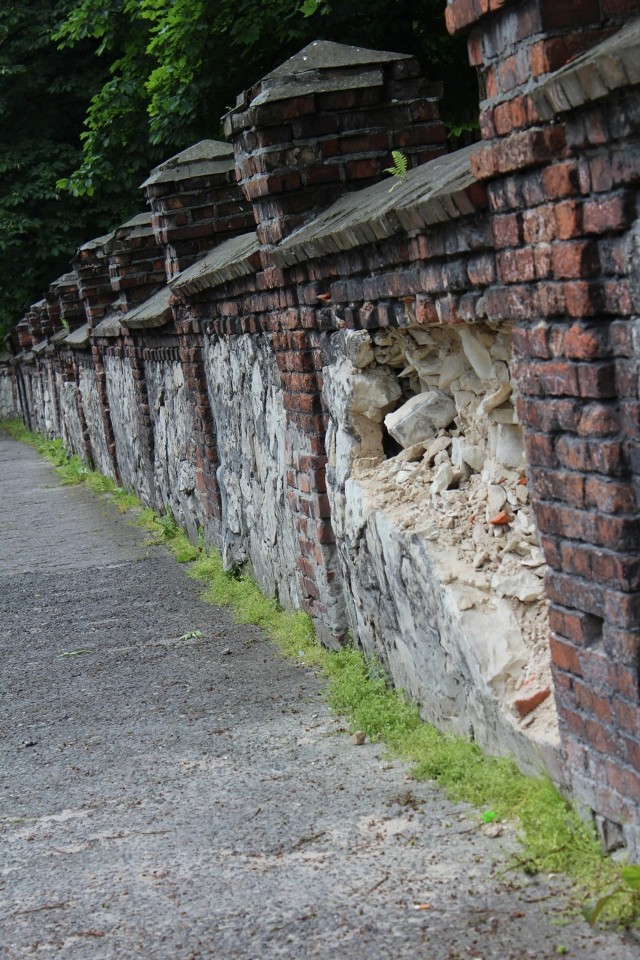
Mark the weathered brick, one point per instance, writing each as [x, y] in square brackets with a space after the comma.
[564, 655]
[515, 266]
[610, 496]
[582, 342]
[599, 420]
[552, 53]
[560, 180]
[559, 485]
[605, 214]
[578, 258]
[583, 595]
[569, 218]
[506, 230]
[623, 646]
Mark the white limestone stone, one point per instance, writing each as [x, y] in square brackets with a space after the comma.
[509, 445]
[496, 398]
[452, 365]
[524, 586]
[494, 634]
[477, 355]
[496, 499]
[442, 478]
[420, 417]
[374, 392]
[358, 348]
[435, 447]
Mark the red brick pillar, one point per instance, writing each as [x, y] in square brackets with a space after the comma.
[196, 204]
[562, 175]
[94, 284]
[136, 262]
[70, 305]
[206, 448]
[326, 122]
[321, 124]
[137, 270]
[72, 310]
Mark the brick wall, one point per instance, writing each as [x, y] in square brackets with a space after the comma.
[560, 163]
[535, 228]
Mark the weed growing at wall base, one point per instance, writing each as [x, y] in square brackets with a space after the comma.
[554, 838]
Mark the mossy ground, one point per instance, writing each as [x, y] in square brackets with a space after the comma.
[554, 838]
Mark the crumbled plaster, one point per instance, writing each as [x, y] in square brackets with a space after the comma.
[443, 595]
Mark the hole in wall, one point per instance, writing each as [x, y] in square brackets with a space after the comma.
[593, 629]
[390, 446]
[451, 470]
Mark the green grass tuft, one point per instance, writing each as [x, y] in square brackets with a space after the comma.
[165, 530]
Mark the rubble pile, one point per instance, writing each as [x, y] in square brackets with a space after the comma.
[441, 452]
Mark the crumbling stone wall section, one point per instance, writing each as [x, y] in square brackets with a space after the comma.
[562, 170]
[414, 411]
[132, 443]
[174, 468]
[9, 405]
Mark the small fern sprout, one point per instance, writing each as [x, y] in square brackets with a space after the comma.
[399, 168]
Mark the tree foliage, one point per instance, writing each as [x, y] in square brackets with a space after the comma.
[43, 104]
[179, 64]
[95, 92]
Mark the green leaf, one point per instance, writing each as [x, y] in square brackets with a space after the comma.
[631, 876]
[309, 7]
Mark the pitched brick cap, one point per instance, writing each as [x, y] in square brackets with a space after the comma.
[202, 159]
[611, 65]
[327, 55]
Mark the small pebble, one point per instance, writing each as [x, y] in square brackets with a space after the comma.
[492, 830]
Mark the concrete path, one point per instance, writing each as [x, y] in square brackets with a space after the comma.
[173, 799]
